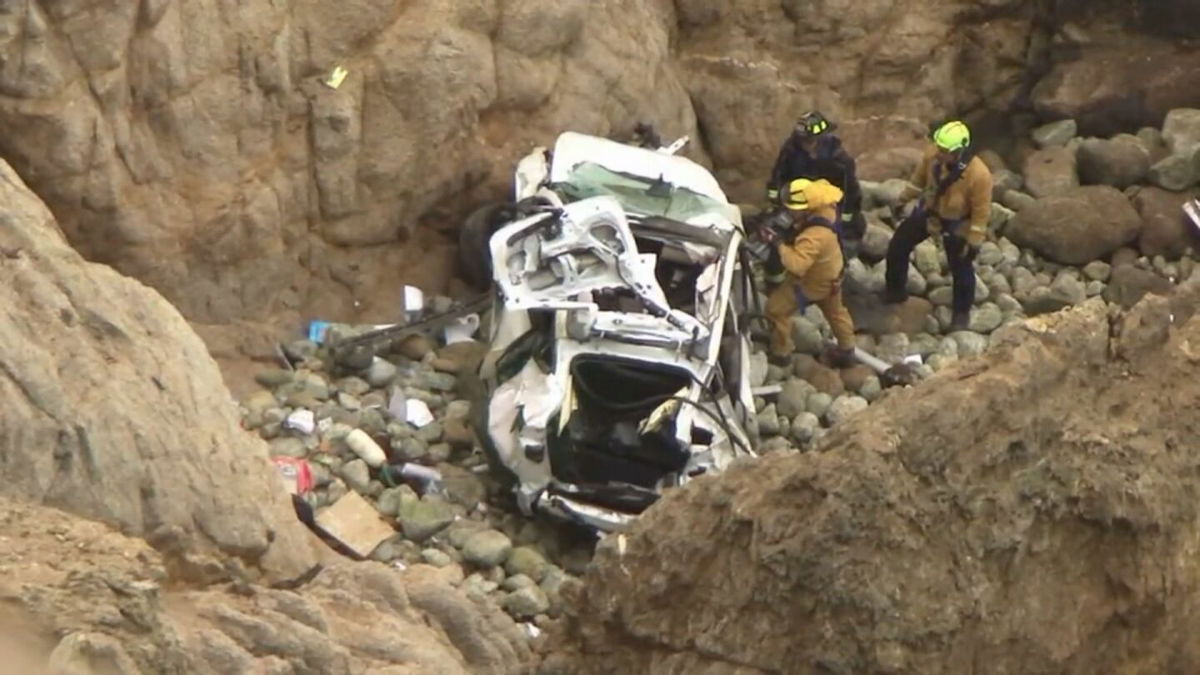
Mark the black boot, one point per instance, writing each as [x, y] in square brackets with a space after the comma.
[894, 296]
[839, 357]
[960, 321]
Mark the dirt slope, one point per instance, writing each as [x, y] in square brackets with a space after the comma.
[77, 598]
[1029, 511]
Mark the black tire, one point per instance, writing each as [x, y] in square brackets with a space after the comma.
[474, 254]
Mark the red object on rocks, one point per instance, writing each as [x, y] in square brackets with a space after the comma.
[296, 474]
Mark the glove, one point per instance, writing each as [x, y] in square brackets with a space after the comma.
[970, 253]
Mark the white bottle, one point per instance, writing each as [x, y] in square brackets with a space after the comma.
[366, 448]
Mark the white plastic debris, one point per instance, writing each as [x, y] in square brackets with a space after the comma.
[301, 420]
[676, 146]
[532, 630]
[421, 473]
[366, 448]
[462, 329]
[417, 413]
[414, 299]
[913, 359]
[336, 77]
[1192, 209]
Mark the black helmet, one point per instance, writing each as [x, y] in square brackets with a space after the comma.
[812, 124]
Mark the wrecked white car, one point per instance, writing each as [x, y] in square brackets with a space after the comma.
[619, 362]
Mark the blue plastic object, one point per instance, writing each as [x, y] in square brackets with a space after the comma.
[316, 331]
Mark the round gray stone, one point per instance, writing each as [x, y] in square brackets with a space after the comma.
[805, 427]
[381, 373]
[794, 398]
[526, 603]
[845, 406]
[768, 421]
[986, 318]
[516, 582]
[818, 403]
[871, 389]
[432, 556]
[487, 548]
[357, 475]
[528, 561]
[423, 518]
[969, 343]
[807, 336]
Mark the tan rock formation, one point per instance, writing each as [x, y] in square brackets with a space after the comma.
[1030, 510]
[81, 599]
[114, 410]
[193, 146]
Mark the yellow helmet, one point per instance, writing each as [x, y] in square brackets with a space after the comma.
[804, 194]
[952, 136]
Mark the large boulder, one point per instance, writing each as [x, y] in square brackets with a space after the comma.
[1078, 227]
[1166, 231]
[1176, 172]
[1117, 83]
[1055, 134]
[1181, 131]
[1129, 284]
[114, 410]
[998, 513]
[1051, 171]
[1120, 162]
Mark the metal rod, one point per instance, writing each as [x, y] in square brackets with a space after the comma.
[878, 365]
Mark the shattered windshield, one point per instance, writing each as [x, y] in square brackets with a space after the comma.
[641, 195]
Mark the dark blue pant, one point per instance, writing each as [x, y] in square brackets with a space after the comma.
[913, 231]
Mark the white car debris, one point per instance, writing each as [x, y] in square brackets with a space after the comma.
[619, 361]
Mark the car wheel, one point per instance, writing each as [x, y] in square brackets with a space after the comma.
[474, 254]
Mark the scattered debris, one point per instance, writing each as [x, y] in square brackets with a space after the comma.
[336, 77]
[296, 474]
[1192, 209]
[366, 448]
[355, 523]
[301, 420]
[638, 253]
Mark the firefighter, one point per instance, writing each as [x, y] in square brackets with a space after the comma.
[812, 258]
[955, 189]
[813, 151]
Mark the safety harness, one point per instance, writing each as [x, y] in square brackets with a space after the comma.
[943, 183]
[802, 300]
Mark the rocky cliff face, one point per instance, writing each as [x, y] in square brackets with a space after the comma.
[192, 146]
[114, 409]
[1027, 511]
[173, 546]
